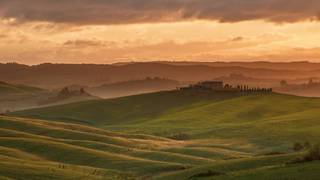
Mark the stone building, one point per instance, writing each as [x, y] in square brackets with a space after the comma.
[205, 85]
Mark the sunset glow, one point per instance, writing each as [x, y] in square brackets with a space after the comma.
[31, 36]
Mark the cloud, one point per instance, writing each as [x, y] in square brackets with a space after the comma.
[87, 12]
[239, 38]
[2, 36]
[112, 51]
[83, 43]
[92, 43]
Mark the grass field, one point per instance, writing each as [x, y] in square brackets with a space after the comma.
[166, 135]
[261, 120]
[39, 149]
[262, 168]
[43, 149]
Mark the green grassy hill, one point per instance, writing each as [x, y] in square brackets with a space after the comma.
[263, 121]
[165, 135]
[38, 149]
[262, 168]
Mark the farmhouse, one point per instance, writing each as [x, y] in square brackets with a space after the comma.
[220, 86]
[205, 85]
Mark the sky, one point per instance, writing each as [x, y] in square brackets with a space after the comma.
[110, 31]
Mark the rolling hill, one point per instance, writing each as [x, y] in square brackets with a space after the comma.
[262, 168]
[15, 97]
[133, 87]
[52, 150]
[164, 135]
[306, 89]
[40, 149]
[264, 121]
[52, 76]
[13, 89]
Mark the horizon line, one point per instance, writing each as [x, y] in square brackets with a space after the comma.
[167, 61]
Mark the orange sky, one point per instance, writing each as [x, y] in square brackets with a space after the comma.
[32, 34]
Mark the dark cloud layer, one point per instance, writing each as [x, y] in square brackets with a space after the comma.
[140, 11]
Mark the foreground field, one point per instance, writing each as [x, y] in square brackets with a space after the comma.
[266, 122]
[39, 149]
[166, 135]
[262, 168]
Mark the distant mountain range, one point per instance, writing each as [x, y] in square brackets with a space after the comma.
[52, 76]
[299, 65]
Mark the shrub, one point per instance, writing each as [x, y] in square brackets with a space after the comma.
[180, 136]
[207, 174]
[297, 147]
[307, 145]
[273, 153]
[313, 154]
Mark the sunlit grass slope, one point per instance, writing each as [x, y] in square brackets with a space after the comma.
[277, 167]
[38, 149]
[123, 110]
[266, 121]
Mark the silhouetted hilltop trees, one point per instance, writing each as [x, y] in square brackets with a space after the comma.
[221, 87]
[66, 92]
